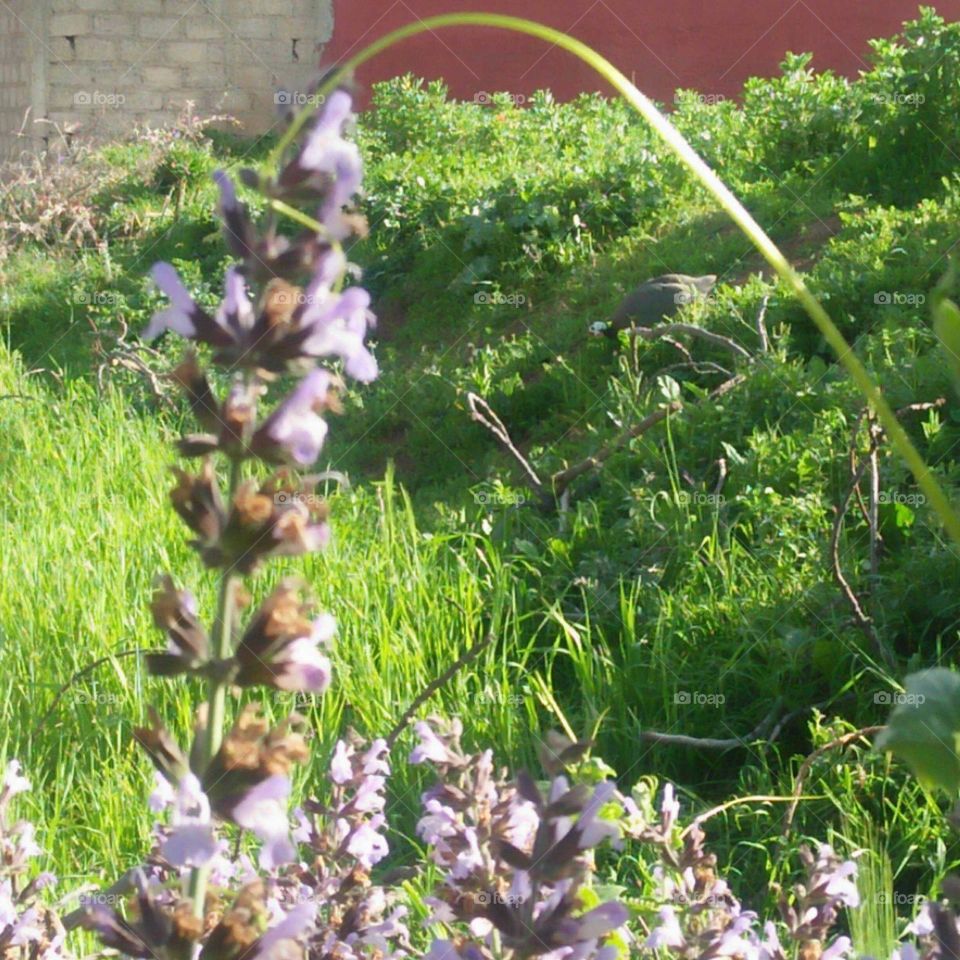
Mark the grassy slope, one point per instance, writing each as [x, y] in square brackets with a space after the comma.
[644, 590]
[82, 548]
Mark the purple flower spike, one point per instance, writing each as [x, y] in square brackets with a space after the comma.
[375, 759]
[668, 934]
[341, 770]
[304, 667]
[264, 811]
[163, 794]
[838, 949]
[594, 829]
[291, 927]
[337, 326]
[328, 159]
[13, 783]
[182, 315]
[282, 647]
[185, 317]
[366, 843]
[430, 748]
[191, 843]
[237, 228]
[294, 432]
[602, 920]
[236, 311]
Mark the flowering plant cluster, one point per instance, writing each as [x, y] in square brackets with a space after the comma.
[700, 917]
[28, 930]
[286, 309]
[517, 855]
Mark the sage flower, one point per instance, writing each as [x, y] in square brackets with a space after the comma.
[175, 613]
[290, 328]
[282, 648]
[295, 432]
[191, 842]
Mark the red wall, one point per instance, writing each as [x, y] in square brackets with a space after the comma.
[709, 45]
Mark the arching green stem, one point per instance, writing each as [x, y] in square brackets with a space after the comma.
[925, 480]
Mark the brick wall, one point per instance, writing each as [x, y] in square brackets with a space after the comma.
[98, 67]
[18, 23]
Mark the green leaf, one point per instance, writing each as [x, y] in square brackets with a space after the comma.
[733, 454]
[924, 728]
[669, 388]
[946, 325]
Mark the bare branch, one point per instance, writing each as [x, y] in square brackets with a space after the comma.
[762, 324]
[435, 685]
[862, 620]
[482, 412]
[80, 673]
[711, 743]
[669, 329]
[702, 367]
[807, 764]
[563, 478]
[922, 407]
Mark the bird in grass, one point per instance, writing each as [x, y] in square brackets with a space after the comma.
[654, 302]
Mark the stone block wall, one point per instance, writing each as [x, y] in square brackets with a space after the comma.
[17, 47]
[99, 67]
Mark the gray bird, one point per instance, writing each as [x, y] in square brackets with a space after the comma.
[654, 302]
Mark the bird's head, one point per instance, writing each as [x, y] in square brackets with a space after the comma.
[599, 328]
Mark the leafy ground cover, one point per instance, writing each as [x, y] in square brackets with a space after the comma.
[686, 588]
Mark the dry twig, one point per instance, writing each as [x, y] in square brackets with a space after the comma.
[670, 329]
[483, 413]
[807, 765]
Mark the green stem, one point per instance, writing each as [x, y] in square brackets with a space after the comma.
[217, 689]
[302, 218]
[307, 221]
[925, 480]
